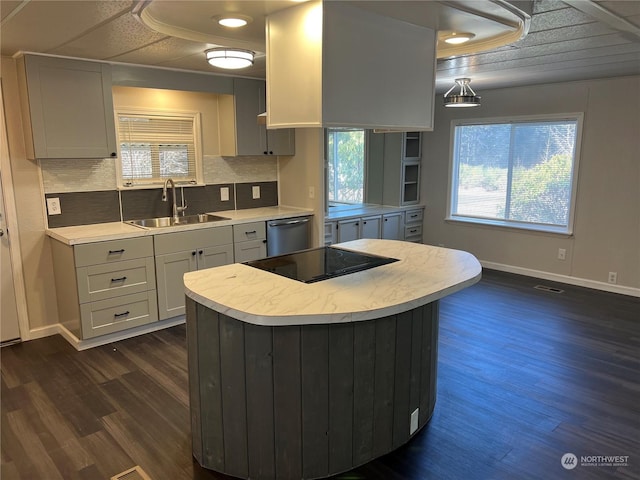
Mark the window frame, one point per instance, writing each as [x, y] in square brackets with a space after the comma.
[578, 117]
[366, 133]
[142, 184]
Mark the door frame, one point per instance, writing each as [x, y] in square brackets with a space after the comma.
[11, 221]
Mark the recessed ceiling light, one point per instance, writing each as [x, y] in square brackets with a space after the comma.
[456, 38]
[233, 21]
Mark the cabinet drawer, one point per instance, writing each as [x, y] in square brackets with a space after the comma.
[120, 313]
[413, 233]
[249, 231]
[113, 251]
[99, 282]
[413, 216]
[251, 250]
[192, 239]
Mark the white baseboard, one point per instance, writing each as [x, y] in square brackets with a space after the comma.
[103, 339]
[581, 282]
[42, 332]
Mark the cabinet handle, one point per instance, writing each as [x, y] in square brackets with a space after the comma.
[123, 314]
[249, 233]
[200, 252]
[364, 223]
[264, 241]
[386, 219]
[112, 252]
[413, 216]
[121, 279]
[357, 223]
[270, 152]
[193, 253]
[265, 152]
[113, 154]
[413, 231]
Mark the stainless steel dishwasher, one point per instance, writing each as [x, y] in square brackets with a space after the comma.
[287, 235]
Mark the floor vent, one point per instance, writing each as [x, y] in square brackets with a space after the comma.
[135, 473]
[549, 289]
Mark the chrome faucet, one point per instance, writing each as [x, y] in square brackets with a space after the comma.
[176, 209]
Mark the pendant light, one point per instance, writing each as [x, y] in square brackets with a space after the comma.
[230, 58]
[466, 98]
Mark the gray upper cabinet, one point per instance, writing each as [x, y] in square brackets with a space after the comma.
[401, 170]
[244, 136]
[68, 108]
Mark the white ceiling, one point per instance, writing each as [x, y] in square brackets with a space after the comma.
[567, 40]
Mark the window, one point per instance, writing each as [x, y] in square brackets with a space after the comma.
[156, 146]
[345, 165]
[516, 173]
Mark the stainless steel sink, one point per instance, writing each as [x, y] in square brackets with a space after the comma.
[160, 222]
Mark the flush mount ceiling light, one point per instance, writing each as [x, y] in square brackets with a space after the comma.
[230, 58]
[466, 98]
[457, 38]
[232, 21]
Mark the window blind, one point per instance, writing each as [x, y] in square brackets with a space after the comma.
[156, 147]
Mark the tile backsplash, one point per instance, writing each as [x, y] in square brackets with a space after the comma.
[88, 192]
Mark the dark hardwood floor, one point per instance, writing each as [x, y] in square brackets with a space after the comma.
[524, 377]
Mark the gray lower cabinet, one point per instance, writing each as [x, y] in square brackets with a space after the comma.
[68, 108]
[250, 241]
[370, 227]
[105, 287]
[348, 230]
[413, 225]
[182, 252]
[330, 233]
[393, 226]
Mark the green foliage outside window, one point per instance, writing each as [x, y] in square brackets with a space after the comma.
[345, 165]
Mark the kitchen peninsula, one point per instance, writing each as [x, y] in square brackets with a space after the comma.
[305, 380]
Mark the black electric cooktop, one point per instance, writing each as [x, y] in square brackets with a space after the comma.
[317, 264]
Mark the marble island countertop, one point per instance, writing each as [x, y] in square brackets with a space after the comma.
[118, 230]
[422, 275]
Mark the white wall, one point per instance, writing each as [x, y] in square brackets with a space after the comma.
[607, 221]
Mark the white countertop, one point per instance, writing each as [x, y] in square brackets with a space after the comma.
[339, 212]
[99, 232]
[424, 274]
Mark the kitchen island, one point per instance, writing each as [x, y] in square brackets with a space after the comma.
[294, 380]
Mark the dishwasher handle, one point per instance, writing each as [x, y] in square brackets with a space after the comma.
[279, 223]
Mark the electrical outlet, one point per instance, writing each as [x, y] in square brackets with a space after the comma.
[224, 194]
[255, 192]
[413, 424]
[562, 253]
[613, 277]
[53, 206]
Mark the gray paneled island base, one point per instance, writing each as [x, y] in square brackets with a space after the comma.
[349, 377]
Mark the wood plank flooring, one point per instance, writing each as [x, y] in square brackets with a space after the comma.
[524, 377]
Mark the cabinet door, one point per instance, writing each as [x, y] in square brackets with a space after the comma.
[249, 97]
[348, 230]
[70, 108]
[170, 269]
[253, 138]
[370, 227]
[393, 226]
[215, 256]
[281, 141]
